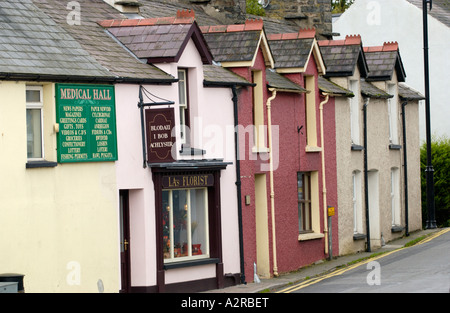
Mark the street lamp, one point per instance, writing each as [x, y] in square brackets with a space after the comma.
[431, 221]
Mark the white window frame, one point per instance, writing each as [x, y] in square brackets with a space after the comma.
[37, 106]
[354, 112]
[183, 104]
[189, 257]
[393, 114]
[310, 112]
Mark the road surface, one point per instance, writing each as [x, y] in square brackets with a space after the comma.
[424, 268]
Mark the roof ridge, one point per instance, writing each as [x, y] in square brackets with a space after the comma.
[387, 46]
[303, 33]
[250, 24]
[348, 41]
[183, 17]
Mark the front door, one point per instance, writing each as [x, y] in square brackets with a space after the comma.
[125, 242]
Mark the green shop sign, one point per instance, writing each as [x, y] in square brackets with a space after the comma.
[87, 123]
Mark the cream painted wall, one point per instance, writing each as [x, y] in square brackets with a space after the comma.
[380, 161]
[58, 225]
[347, 161]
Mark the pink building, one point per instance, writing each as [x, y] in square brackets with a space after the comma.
[176, 171]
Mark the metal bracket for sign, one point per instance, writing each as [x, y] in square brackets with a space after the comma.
[141, 106]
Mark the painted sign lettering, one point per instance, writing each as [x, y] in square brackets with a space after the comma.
[187, 181]
[87, 123]
[160, 123]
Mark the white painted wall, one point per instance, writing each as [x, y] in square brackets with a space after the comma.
[379, 21]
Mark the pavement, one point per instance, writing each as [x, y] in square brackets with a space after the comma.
[320, 268]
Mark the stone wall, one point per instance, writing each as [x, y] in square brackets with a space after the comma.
[304, 13]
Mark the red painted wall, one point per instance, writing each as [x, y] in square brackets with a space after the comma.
[288, 113]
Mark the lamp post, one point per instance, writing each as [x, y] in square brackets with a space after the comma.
[431, 221]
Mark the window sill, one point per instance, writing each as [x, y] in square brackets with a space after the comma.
[313, 149]
[310, 236]
[172, 265]
[40, 164]
[357, 147]
[187, 150]
[394, 147]
[358, 236]
[260, 150]
[396, 228]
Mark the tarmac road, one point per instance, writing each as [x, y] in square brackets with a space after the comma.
[423, 268]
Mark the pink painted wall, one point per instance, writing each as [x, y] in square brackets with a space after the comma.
[214, 106]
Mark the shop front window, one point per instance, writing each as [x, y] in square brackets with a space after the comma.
[185, 224]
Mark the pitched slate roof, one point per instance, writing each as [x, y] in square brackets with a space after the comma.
[342, 56]
[237, 43]
[31, 43]
[329, 87]
[440, 10]
[383, 60]
[106, 50]
[407, 93]
[371, 91]
[215, 75]
[159, 39]
[291, 49]
[278, 81]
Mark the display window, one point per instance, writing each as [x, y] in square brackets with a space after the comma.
[185, 224]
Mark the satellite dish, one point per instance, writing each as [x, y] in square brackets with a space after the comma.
[264, 3]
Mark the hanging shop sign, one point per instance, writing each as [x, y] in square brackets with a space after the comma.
[87, 123]
[159, 125]
[187, 181]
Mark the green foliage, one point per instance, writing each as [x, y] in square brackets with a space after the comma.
[254, 8]
[339, 6]
[440, 159]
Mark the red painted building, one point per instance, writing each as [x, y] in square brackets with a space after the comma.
[284, 222]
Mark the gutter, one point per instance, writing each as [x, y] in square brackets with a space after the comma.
[238, 182]
[324, 184]
[272, 192]
[83, 79]
[366, 178]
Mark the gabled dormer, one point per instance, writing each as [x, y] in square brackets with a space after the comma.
[383, 61]
[293, 51]
[160, 40]
[238, 45]
[342, 57]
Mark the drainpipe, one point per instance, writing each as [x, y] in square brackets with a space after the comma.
[366, 179]
[272, 193]
[238, 182]
[405, 173]
[324, 184]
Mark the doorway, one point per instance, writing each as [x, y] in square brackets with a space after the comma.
[374, 208]
[125, 241]
[262, 227]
